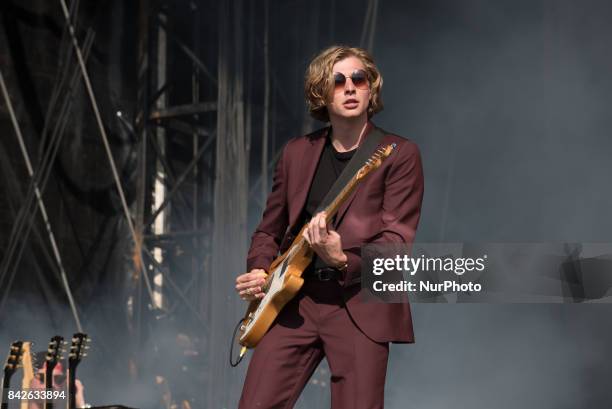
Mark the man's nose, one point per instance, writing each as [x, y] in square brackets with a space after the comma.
[349, 87]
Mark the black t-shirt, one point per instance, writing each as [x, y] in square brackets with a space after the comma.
[331, 164]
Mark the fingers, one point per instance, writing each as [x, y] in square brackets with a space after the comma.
[319, 228]
[253, 296]
[306, 235]
[316, 232]
[322, 228]
[250, 285]
[253, 275]
[251, 291]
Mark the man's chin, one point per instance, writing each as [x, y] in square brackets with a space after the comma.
[350, 114]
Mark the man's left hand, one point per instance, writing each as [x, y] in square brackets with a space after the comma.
[325, 242]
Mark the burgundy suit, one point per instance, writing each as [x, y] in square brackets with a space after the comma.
[384, 208]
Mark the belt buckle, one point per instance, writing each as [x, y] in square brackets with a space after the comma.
[324, 274]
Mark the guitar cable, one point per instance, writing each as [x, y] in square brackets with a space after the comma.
[243, 349]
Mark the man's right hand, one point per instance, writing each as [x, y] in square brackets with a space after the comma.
[250, 285]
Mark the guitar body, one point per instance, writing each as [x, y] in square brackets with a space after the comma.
[282, 284]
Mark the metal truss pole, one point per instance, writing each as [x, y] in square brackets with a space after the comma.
[23, 222]
[41, 205]
[171, 205]
[109, 153]
[158, 224]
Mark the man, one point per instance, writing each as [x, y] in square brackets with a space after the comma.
[328, 317]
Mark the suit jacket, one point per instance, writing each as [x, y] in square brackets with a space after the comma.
[384, 208]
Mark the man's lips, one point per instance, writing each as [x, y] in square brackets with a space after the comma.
[350, 102]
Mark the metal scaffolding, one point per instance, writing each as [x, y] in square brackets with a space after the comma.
[175, 126]
[206, 77]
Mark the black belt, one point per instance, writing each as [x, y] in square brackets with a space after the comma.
[324, 274]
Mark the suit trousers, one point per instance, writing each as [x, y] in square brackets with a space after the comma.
[313, 325]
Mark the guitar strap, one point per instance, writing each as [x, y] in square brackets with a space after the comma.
[363, 153]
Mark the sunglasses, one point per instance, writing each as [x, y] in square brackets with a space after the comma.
[358, 77]
[57, 379]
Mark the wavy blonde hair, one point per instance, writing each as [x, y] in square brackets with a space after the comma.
[319, 80]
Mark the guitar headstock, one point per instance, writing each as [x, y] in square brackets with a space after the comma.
[54, 352]
[26, 363]
[13, 361]
[375, 161]
[78, 349]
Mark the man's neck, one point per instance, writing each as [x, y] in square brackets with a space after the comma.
[347, 133]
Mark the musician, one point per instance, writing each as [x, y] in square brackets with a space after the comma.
[60, 382]
[328, 318]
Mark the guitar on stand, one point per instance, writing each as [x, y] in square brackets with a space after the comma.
[78, 350]
[13, 361]
[28, 371]
[54, 355]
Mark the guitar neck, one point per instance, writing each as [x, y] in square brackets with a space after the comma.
[6, 384]
[78, 350]
[330, 212]
[373, 163]
[72, 388]
[28, 371]
[49, 384]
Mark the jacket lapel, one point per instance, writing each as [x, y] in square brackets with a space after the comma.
[310, 160]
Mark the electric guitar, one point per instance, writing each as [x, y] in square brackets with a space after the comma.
[28, 371]
[13, 361]
[285, 279]
[78, 350]
[54, 355]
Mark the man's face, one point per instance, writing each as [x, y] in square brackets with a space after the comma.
[351, 93]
